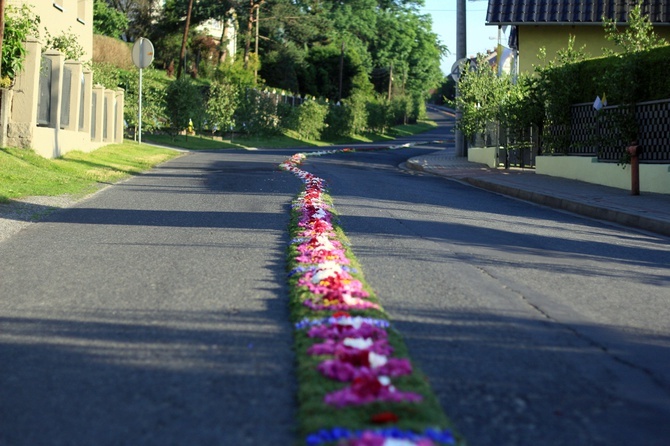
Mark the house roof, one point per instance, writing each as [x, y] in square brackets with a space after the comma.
[574, 12]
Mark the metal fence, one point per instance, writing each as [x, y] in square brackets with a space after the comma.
[598, 133]
[512, 150]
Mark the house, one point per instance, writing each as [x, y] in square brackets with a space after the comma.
[53, 106]
[224, 32]
[548, 24]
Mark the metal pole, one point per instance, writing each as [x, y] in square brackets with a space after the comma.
[139, 120]
[461, 147]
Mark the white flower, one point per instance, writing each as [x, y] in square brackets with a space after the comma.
[325, 270]
[376, 360]
[398, 442]
[358, 343]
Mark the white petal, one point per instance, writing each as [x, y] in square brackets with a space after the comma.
[376, 360]
[358, 343]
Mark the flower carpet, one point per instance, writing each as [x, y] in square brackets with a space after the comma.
[357, 385]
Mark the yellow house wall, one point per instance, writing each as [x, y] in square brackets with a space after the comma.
[653, 177]
[555, 38]
[71, 16]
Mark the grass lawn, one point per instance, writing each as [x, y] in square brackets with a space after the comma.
[24, 173]
[290, 139]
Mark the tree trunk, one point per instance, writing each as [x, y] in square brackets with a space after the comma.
[182, 54]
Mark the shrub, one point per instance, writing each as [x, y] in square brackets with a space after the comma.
[401, 110]
[379, 114]
[19, 24]
[67, 43]
[221, 104]
[347, 118]
[185, 104]
[154, 113]
[257, 113]
[311, 119]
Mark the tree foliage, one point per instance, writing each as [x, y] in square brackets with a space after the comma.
[308, 46]
[19, 24]
[108, 21]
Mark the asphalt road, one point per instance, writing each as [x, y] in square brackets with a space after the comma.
[534, 326]
[153, 313]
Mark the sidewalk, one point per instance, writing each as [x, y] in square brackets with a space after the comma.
[650, 212]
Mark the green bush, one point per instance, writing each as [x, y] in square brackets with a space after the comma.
[185, 104]
[257, 113]
[154, 112]
[19, 24]
[311, 119]
[221, 104]
[338, 121]
[379, 114]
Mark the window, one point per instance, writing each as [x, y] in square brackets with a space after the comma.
[81, 10]
[58, 4]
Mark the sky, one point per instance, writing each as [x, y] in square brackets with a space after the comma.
[479, 36]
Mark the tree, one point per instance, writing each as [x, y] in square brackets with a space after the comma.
[140, 14]
[108, 21]
[638, 36]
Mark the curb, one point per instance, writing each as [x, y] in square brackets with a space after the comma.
[577, 207]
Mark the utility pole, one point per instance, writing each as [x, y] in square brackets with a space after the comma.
[182, 54]
[250, 27]
[258, 11]
[390, 81]
[2, 28]
[461, 45]
[341, 70]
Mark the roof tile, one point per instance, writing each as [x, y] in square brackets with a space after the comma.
[572, 11]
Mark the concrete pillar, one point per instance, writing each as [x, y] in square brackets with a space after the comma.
[110, 116]
[6, 96]
[76, 69]
[120, 99]
[57, 63]
[23, 119]
[98, 115]
[88, 101]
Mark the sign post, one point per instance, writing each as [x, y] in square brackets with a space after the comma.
[143, 55]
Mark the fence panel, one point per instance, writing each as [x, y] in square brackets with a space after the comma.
[598, 133]
[654, 131]
[44, 97]
[65, 97]
[94, 113]
[82, 95]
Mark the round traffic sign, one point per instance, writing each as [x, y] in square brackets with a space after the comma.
[143, 53]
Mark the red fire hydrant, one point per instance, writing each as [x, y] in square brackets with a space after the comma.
[634, 150]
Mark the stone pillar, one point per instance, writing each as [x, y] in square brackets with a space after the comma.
[98, 115]
[23, 119]
[120, 99]
[110, 116]
[76, 69]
